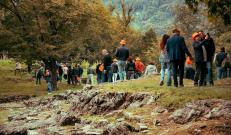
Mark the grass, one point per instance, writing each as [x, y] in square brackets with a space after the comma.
[173, 97]
[23, 84]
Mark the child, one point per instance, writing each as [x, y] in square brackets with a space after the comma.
[114, 69]
[90, 75]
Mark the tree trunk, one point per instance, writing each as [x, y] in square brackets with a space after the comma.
[54, 74]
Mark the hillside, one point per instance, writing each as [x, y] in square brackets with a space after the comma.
[152, 13]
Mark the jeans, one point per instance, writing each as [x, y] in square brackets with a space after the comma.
[99, 77]
[219, 73]
[162, 72]
[121, 68]
[200, 73]
[210, 72]
[38, 80]
[114, 77]
[107, 75]
[90, 79]
[74, 79]
[130, 75]
[178, 65]
[49, 86]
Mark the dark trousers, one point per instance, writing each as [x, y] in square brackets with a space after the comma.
[178, 65]
[69, 79]
[38, 79]
[200, 73]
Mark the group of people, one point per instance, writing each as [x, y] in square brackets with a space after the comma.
[174, 61]
[122, 66]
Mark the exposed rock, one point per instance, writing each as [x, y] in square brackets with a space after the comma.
[202, 109]
[68, 120]
[7, 99]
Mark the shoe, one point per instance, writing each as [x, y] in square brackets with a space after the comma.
[181, 85]
[161, 83]
[175, 85]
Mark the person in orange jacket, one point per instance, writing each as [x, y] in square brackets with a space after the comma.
[189, 71]
[139, 67]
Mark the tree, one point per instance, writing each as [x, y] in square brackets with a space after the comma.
[216, 8]
[53, 30]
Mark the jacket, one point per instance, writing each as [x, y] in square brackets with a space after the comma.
[220, 58]
[107, 60]
[122, 53]
[130, 66]
[176, 48]
[114, 68]
[210, 48]
[139, 67]
[90, 70]
[197, 46]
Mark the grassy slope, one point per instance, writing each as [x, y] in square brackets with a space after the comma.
[21, 85]
[174, 97]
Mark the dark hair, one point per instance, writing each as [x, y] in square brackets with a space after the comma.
[175, 31]
[223, 49]
[164, 41]
[130, 59]
[151, 63]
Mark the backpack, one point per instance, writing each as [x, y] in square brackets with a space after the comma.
[101, 67]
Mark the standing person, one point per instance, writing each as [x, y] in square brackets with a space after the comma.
[69, 75]
[219, 58]
[49, 81]
[65, 72]
[114, 69]
[60, 72]
[74, 75]
[18, 68]
[39, 75]
[200, 60]
[139, 67]
[130, 69]
[90, 75]
[99, 72]
[79, 74]
[189, 71]
[165, 61]
[122, 54]
[107, 61]
[150, 69]
[177, 49]
[210, 49]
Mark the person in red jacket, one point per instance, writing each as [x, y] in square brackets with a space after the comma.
[139, 67]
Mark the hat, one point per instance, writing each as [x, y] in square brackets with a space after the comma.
[123, 42]
[138, 59]
[196, 34]
[115, 60]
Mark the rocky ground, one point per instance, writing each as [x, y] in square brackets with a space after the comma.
[92, 112]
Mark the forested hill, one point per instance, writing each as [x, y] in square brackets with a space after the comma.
[157, 13]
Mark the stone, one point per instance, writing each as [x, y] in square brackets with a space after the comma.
[68, 120]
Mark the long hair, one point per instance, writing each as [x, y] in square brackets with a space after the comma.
[164, 41]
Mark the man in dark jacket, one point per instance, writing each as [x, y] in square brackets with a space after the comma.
[122, 54]
[200, 59]
[177, 49]
[219, 58]
[210, 49]
[107, 61]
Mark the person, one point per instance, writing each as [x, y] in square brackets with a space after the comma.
[150, 69]
[165, 61]
[200, 60]
[48, 80]
[60, 72]
[18, 68]
[122, 54]
[79, 74]
[90, 75]
[114, 69]
[218, 59]
[39, 75]
[99, 72]
[226, 66]
[65, 72]
[74, 75]
[139, 67]
[177, 49]
[210, 49]
[69, 75]
[189, 71]
[107, 61]
[130, 69]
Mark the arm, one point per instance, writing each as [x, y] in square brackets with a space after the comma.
[184, 48]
